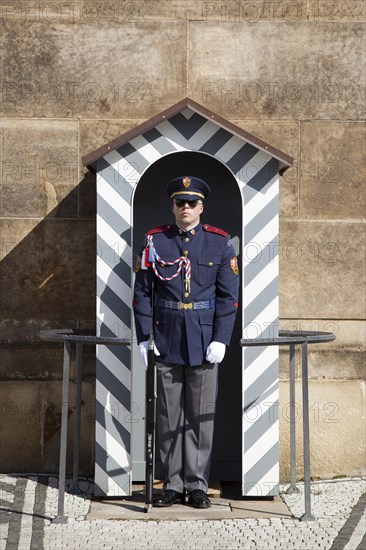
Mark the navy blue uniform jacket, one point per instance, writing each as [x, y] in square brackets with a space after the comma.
[182, 336]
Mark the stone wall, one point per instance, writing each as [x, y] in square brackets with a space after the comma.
[76, 74]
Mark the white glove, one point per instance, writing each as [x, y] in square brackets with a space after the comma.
[215, 352]
[143, 347]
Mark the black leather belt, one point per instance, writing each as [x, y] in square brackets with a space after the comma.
[171, 304]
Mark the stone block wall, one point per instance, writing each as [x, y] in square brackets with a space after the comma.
[78, 73]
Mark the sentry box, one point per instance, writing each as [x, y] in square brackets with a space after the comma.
[243, 173]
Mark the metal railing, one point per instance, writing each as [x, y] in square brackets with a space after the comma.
[69, 337]
[292, 339]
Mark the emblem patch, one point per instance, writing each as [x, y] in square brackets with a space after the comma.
[138, 264]
[234, 265]
[186, 182]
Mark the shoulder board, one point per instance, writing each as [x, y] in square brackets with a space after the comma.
[160, 229]
[216, 230]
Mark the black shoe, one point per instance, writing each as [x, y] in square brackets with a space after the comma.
[199, 499]
[167, 498]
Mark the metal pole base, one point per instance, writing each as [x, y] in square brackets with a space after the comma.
[60, 520]
[307, 517]
[148, 508]
[293, 490]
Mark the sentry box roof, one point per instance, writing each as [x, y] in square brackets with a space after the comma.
[188, 117]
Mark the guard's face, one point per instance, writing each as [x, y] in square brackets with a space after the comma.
[187, 213]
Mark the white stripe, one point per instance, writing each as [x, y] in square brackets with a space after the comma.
[357, 534]
[146, 149]
[259, 365]
[108, 485]
[202, 135]
[112, 447]
[264, 319]
[172, 135]
[114, 199]
[259, 283]
[111, 237]
[187, 113]
[260, 447]
[259, 201]
[114, 365]
[256, 163]
[113, 281]
[27, 513]
[264, 485]
[261, 239]
[114, 323]
[230, 148]
[130, 172]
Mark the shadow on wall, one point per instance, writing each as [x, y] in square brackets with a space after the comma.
[47, 280]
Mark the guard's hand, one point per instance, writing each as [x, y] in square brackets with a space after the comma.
[144, 347]
[215, 352]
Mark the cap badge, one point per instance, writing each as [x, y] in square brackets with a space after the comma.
[186, 182]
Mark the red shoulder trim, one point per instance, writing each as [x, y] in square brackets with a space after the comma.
[160, 229]
[216, 230]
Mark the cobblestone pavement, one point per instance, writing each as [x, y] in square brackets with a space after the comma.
[28, 504]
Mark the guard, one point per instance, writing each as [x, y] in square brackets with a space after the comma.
[194, 271]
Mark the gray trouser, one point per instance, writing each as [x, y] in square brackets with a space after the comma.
[185, 419]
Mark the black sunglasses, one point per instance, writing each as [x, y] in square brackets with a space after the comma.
[181, 202]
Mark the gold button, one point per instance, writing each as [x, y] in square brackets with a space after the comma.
[210, 264]
[193, 232]
[186, 294]
[186, 240]
[185, 252]
[156, 322]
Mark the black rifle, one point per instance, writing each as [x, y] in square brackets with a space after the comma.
[150, 424]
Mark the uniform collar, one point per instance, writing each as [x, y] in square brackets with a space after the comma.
[190, 232]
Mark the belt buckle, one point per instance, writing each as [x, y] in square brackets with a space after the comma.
[189, 305]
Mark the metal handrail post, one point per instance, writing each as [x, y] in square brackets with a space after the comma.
[307, 516]
[79, 370]
[61, 518]
[292, 489]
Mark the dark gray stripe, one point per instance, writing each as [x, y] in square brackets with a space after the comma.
[187, 127]
[260, 426]
[113, 426]
[115, 180]
[157, 140]
[257, 263]
[348, 528]
[261, 301]
[112, 470]
[109, 256]
[261, 219]
[266, 380]
[216, 141]
[241, 158]
[113, 302]
[133, 157]
[362, 544]
[12, 541]
[120, 393]
[260, 468]
[111, 216]
[260, 180]
[39, 513]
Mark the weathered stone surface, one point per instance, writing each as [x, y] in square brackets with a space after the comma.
[337, 429]
[285, 137]
[322, 270]
[50, 274]
[49, 11]
[246, 71]
[39, 167]
[95, 133]
[332, 176]
[92, 70]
